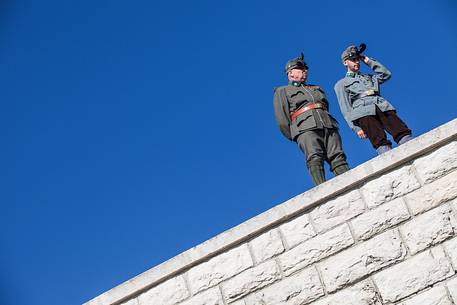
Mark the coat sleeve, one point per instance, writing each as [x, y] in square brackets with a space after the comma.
[281, 107]
[325, 99]
[381, 72]
[345, 105]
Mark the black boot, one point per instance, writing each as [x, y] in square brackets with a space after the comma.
[340, 169]
[316, 170]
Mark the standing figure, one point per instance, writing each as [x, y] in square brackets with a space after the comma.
[301, 112]
[367, 113]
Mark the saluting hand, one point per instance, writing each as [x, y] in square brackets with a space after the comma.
[362, 134]
[364, 58]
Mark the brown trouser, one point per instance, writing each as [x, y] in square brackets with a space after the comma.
[374, 126]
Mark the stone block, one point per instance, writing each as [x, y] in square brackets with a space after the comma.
[251, 280]
[429, 229]
[316, 249]
[438, 163]
[390, 186]
[363, 293]
[354, 263]
[209, 297]
[167, 293]
[266, 246]
[337, 211]
[299, 289]
[219, 268]
[379, 219]
[434, 296]
[297, 230]
[413, 275]
[433, 194]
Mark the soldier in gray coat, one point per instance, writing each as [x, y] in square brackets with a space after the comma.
[367, 113]
[301, 112]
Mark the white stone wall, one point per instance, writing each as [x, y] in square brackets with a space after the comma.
[391, 239]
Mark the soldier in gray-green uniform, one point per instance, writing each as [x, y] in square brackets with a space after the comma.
[367, 113]
[301, 112]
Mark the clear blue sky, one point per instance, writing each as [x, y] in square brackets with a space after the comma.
[134, 130]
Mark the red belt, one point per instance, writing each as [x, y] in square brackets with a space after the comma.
[306, 108]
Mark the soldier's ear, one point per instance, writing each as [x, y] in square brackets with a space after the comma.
[345, 62]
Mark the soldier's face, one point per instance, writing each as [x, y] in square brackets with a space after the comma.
[298, 75]
[353, 65]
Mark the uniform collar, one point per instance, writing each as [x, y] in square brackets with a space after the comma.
[351, 74]
[295, 83]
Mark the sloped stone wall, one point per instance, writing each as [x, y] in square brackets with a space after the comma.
[385, 233]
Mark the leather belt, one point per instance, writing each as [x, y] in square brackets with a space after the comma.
[306, 108]
[370, 92]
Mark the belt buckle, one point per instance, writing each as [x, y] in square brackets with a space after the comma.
[370, 92]
[319, 106]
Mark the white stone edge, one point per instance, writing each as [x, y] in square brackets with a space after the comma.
[421, 145]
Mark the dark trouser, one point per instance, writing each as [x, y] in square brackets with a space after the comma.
[374, 126]
[322, 144]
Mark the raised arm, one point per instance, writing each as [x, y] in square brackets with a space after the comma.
[381, 72]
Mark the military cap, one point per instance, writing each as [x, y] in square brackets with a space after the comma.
[296, 63]
[353, 52]
[350, 52]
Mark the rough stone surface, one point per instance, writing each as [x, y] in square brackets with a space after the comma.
[251, 280]
[362, 293]
[316, 249]
[413, 275]
[433, 194]
[266, 246]
[299, 289]
[352, 264]
[380, 219]
[219, 268]
[297, 230]
[209, 297]
[438, 163]
[434, 296]
[452, 286]
[451, 250]
[167, 293]
[429, 229]
[337, 211]
[390, 186]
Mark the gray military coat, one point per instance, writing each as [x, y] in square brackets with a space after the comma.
[288, 99]
[350, 90]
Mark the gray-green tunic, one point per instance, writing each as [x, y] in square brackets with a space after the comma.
[315, 131]
[287, 99]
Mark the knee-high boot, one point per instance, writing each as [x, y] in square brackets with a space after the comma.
[340, 169]
[316, 170]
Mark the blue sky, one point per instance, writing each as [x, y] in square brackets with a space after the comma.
[134, 130]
